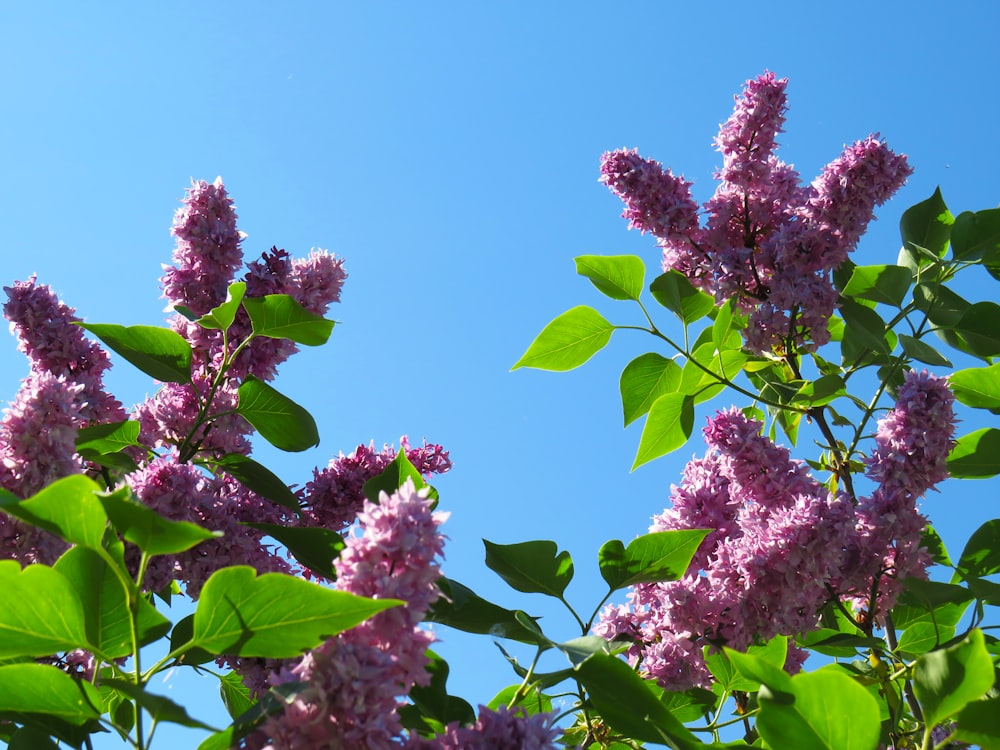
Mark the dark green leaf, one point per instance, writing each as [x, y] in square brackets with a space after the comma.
[274, 615]
[157, 706]
[459, 607]
[645, 379]
[531, 567]
[150, 531]
[221, 317]
[943, 307]
[44, 689]
[315, 548]
[932, 542]
[946, 680]
[922, 352]
[927, 224]
[258, 478]
[109, 438]
[976, 455]
[68, 508]
[675, 292]
[981, 556]
[617, 276]
[105, 604]
[980, 327]
[180, 636]
[568, 341]
[629, 705]
[667, 428]
[864, 330]
[48, 617]
[885, 284]
[279, 420]
[159, 352]
[976, 234]
[658, 556]
[689, 705]
[979, 724]
[279, 316]
[31, 738]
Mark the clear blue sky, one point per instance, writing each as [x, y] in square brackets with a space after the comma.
[449, 151]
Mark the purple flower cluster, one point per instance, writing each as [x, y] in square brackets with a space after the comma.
[353, 681]
[495, 730]
[781, 542]
[767, 241]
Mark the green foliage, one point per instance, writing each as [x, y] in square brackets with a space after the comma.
[279, 316]
[568, 341]
[618, 276]
[279, 420]
[531, 567]
[659, 556]
[159, 352]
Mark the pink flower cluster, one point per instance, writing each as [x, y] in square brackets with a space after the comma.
[781, 543]
[495, 730]
[767, 241]
[353, 681]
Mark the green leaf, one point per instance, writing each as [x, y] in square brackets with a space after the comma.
[946, 680]
[531, 567]
[48, 617]
[314, 547]
[109, 438]
[943, 307]
[676, 293]
[943, 603]
[980, 327]
[159, 352]
[977, 386]
[760, 671]
[31, 738]
[535, 702]
[658, 556]
[864, 330]
[976, 455]
[235, 695]
[222, 316]
[645, 379]
[68, 508]
[616, 276]
[816, 715]
[981, 556]
[157, 706]
[774, 653]
[150, 531]
[394, 476]
[459, 607]
[976, 235]
[667, 428]
[931, 541]
[105, 605]
[44, 689]
[821, 391]
[629, 705]
[274, 615]
[927, 224]
[258, 478]
[279, 420]
[979, 724]
[885, 284]
[181, 636]
[922, 351]
[432, 701]
[568, 341]
[279, 316]
[921, 637]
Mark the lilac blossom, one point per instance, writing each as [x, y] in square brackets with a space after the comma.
[768, 241]
[353, 681]
[504, 729]
[334, 496]
[912, 444]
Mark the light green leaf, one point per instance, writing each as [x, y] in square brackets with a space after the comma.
[159, 352]
[946, 680]
[617, 276]
[658, 556]
[977, 386]
[279, 316]
[68, 508]
[676, 293]
[279, 420]
[274, 615]
[44, 689]
[147, 529]
[221, 317]
[48, 616]
[667, 428]
[568, 341]
[109, 438]
[976, 455]
[645, 379]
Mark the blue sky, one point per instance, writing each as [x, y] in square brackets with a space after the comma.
[450, 153]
